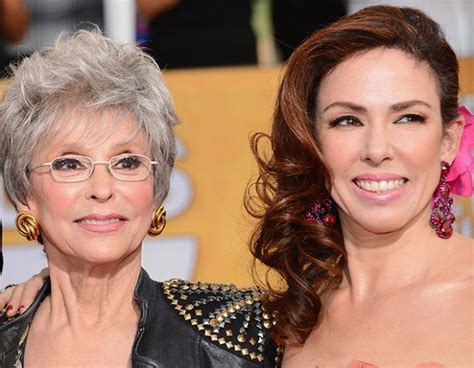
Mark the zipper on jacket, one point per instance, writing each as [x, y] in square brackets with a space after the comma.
[135, 343]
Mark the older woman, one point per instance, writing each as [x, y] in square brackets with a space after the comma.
[87, 149]
[367, 140]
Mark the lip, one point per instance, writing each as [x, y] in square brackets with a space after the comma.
[385, 196]
[102, 228]
[98, 217]
[379, 177]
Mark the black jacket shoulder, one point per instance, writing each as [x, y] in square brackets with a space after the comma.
[182, 324]
[228, 317]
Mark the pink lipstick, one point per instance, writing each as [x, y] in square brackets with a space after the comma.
[101, 223]
[380, 187]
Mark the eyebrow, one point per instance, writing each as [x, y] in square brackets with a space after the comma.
[74, 146]
[394, 108]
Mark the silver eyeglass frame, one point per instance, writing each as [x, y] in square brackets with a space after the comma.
[92, 167]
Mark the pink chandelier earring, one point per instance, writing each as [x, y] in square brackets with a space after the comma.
[322, 212]
[442, 218]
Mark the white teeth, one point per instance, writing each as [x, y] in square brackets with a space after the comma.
[374, 186]
[380, 186]
[99, 222]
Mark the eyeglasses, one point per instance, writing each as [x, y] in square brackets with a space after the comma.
[74, 168]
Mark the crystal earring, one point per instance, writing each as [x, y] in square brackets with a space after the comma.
[442, 218]
[322, 212]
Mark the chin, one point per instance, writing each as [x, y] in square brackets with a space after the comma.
[105, 253]
[102, 260]
[381, 224]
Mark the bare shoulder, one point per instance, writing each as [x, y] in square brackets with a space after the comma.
[463, 241]
[457, 273]
[463, 250]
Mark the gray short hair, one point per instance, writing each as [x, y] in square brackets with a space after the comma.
[89, 71]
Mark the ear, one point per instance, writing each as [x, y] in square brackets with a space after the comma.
[451, 139]
[26, 207]
[22, 207]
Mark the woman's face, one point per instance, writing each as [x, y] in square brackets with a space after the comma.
[380, 129]
[101, 219]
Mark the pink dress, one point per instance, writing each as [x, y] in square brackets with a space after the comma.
[361, 364]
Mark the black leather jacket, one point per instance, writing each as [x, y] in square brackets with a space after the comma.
[182, 324]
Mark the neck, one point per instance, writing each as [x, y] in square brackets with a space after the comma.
[85, 295]
[381, 262]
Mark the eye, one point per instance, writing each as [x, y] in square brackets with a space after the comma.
[347, 120]
[69, 163]
[129, 162]
[411, 118]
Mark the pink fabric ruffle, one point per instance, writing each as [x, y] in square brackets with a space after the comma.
[459, 176]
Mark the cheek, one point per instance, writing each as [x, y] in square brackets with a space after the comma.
[140, 196]
[422, 149]
[339, 153]
[56, 198]
[140, 201]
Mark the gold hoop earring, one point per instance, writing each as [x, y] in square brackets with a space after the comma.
[158, 221]
[27, 225]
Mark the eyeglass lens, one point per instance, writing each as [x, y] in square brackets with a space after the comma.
[123, 167]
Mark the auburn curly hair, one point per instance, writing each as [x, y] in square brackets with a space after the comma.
[310, 258]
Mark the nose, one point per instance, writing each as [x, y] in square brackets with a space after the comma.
[378, 144]
[101, 184]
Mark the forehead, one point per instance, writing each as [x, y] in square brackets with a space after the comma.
[380, 77]
[87, 132]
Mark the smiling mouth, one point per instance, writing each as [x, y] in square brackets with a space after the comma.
[380, 186]
[99, 222]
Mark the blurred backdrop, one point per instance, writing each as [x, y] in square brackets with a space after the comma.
[222, 63]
